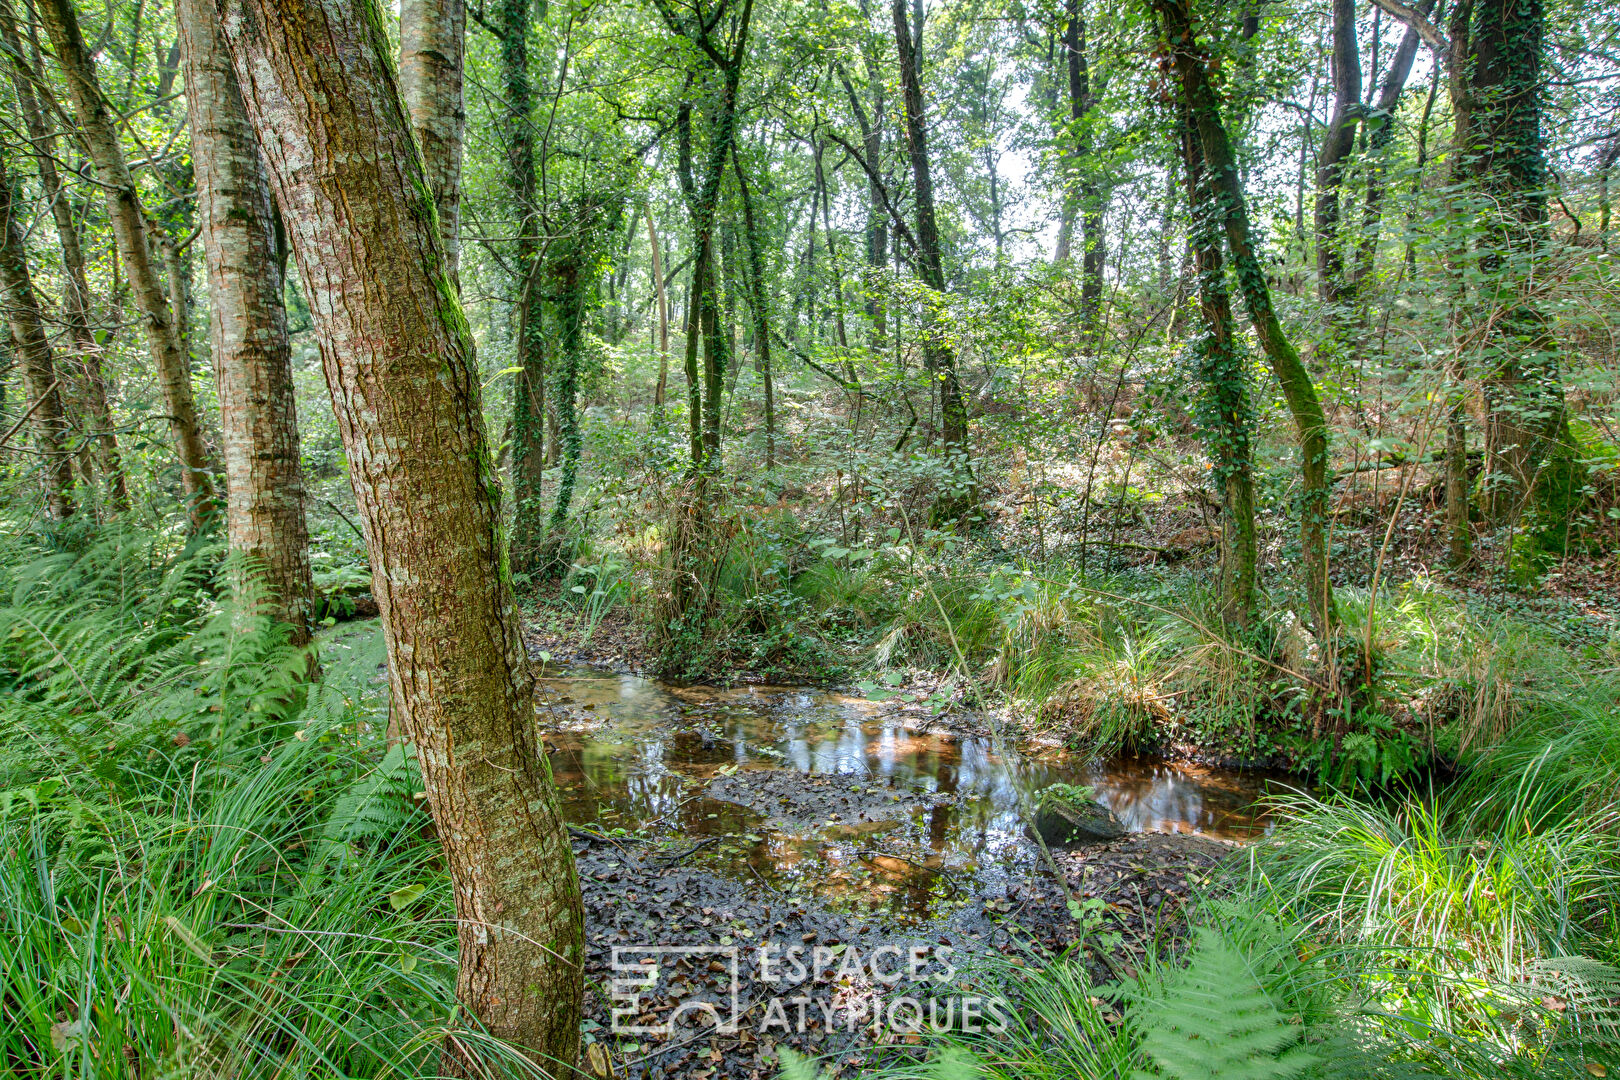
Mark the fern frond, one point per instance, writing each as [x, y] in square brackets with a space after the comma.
[1211, 1020]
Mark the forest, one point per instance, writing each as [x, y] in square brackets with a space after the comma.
[752, 539]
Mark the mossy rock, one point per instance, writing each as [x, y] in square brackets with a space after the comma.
[1065, 822]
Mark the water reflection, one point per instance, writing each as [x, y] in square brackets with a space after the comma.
[626, 750]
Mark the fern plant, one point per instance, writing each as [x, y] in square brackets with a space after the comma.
[1212, 1020]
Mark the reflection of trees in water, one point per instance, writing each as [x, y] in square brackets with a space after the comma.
[637, 770]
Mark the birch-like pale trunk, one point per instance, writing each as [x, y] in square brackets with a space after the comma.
[317, 81]
[146, 285]
[84, 354]
[33, 350]
[432, 47]
[247, 326]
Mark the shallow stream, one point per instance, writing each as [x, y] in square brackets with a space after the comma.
[817, 793]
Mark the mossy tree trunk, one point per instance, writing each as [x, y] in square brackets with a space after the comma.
[1310, 423]
[510, 21]
[1225, 414]
[399, 360]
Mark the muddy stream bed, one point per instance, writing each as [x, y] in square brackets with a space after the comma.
[867, 849]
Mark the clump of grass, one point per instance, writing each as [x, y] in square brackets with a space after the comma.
[1451, 925]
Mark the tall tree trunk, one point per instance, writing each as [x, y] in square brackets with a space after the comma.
[702, 195]
[399, 359]
[1225, 413]
[432, 43]
[877, 214]
[511, 19]
[129, 230]
[33, 350]
[247, 326]
[662, 293]
[1337, 145]
[1382, 125]
[1530, 464]
[84, 358]
[1084, 199]
[1231, 209]
[572, 289]
[1459, 532]
[930, 264]
[760, 306]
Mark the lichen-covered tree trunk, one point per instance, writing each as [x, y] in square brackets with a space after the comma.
[930, 263]
[432, 43]
[1310, 423]
[146, 286]
[399, 360]
[33, 349]
[264, 476]
[84, 355]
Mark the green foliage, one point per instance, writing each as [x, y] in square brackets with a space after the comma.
[1211, 1020]
[208, 865]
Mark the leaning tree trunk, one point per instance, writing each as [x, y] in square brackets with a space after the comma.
[399, 359]
[432, 43]
[1231, 209]
[128, 225]
[84, 354]
[146, 286]
[247, 327]
[1379, 143]
[31, 347]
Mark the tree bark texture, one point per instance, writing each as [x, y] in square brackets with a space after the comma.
[1310, 423]
[146, 286]
[33, 351]
[432, 45]
[317, 81]
[84, 356]
[264, 476]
